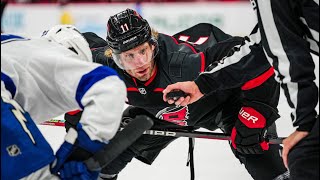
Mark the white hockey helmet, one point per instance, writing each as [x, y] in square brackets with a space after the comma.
[70, 37]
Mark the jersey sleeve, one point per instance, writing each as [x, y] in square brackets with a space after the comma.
[99, 92]
[240, 65]
[219, 51]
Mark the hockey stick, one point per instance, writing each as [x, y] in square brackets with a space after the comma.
[180, 133]
[120, 142]
[203, 135]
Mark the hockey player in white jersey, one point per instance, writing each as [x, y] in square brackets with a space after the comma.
[41, 79]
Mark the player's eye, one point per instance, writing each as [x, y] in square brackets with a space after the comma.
[130, 56]
[143, 51]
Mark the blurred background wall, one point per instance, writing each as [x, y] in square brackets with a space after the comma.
[32, 17]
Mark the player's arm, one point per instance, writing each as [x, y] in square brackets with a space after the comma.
[98, 47]
[228, 66]
[219, 51]
[100, 94]
[241, 65]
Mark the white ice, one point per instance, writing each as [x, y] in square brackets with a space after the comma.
[213, 158]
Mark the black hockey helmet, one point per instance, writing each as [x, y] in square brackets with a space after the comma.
[127, 30]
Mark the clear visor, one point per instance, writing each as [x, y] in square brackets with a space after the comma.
[135, 58]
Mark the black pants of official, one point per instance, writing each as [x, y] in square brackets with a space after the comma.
[303, 159]
[290, 32]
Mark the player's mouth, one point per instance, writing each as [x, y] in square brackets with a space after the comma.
[142, 72]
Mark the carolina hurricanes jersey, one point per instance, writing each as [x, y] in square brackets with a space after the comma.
[181, 58]
[47, 80]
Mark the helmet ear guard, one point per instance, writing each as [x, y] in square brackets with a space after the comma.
[71, 38]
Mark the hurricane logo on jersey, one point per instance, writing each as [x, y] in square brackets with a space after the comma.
[177, 115]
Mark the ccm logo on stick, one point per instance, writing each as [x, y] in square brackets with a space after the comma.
[160, 133]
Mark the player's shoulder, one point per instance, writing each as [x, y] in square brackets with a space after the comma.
[200, 37]
[199, 32]
[29, 49]
[94, 40]
[98, 47]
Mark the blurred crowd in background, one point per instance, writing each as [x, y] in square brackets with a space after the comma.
[92, 1]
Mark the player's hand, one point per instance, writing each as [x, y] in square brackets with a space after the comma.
[291, 141]
[249, 133]
[131, 112]
[191, 90]
[77, 146]
[75, 170]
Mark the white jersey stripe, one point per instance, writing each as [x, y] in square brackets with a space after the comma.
[314, 33]
[313, 45]
[277, 49]
[237, 56]
[315, 41]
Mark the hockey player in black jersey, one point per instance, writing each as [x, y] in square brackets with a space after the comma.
[148, 62]
[289, 31]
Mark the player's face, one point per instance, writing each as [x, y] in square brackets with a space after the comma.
[138, 62]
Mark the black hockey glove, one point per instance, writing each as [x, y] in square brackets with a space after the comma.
[72, 119]
[249, 134]
[130, 113]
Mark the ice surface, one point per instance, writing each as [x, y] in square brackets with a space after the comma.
[213, 158]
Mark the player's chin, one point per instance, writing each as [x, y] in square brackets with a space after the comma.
[145, 77]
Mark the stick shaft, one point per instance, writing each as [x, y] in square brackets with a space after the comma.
[180, 133]
[203, 135]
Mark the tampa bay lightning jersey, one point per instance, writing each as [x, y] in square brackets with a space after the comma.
[47, 80]
[41, 80]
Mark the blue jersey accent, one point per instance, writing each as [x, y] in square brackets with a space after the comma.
[86, 143]
[21, 146]
[10, 37]
[9, 84]
[90, 79]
